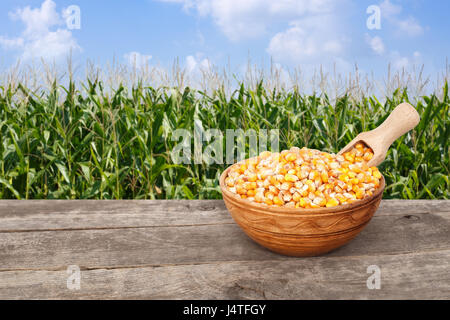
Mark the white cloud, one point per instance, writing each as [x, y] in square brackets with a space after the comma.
[197, 65]
[400, 62]
[312, 40]
[11, 43]
[389, 10]
[38, 40]
[313, 29]
[305, 33]
[376, 44]
[410, 27]
[292, 42]
[244, 19]
[404, 26]
[136, 59]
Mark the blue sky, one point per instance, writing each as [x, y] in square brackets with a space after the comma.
[290, 33]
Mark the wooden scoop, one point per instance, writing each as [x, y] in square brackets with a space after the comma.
[401, 120]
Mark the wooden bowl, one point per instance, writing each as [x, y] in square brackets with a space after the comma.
[298, 231]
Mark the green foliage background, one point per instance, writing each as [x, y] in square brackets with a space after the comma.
[88, 143]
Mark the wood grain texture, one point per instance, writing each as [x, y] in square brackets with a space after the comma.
[404, 276]
[193, 249]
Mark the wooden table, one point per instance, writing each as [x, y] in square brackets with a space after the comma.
[194, 250]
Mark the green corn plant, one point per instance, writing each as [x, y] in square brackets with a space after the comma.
[81, 141]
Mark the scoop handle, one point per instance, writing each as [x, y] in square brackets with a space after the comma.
[401, 120]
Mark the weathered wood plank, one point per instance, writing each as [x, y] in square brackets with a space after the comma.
[424, 275]
[192, 249]
[91, 214]
[202, 244]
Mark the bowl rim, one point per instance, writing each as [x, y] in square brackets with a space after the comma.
[286, 211]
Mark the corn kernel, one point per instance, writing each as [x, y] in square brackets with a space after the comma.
[291, 156]
[376, 174]
[296, 197]
[305, 178]
[290, 178]
[304, 202]
[278, 201]
[252, 177]
[332, 202]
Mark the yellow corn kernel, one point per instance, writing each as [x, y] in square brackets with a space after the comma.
[305, 178]
[240, 190]
[229, 181]
[344, 177]
[351, 174]
[286, 186]
[250, 185]
[376, 174]
[269, 195]
[304, 202]
[341, 198]
[320, 201]
[313, 175]
[290, 178]
[304, 192]
[302, 174]
[278, 201]
[273, 190]
[367, 156]
[259, 197]
[349, 157]
[296, 197]
[252, 177]
[359, 145]
[376, 183]
[311, 185]
[332, 202]
[359, 194]
[291, 157]
[345, 164]
[324, 176]
[272, 180]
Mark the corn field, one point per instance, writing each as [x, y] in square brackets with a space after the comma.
[82, 141]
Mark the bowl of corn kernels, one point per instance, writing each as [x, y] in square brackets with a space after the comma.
[303, 202]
